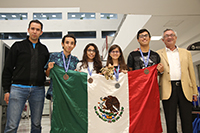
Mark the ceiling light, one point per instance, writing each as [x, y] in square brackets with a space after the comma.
[53, 16]
[156, 38]
[34, 16]
[92, 15]
[173, 23]
[111, 15]
[14, 16]
[73, 16]
[44, 15]
[102, 16]
[83, 15]
[3, 16]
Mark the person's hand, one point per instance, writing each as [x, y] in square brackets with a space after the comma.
[137, 49]
[51, 65]
[6, 97]
[194, 98]
[160, 67]
[124, 71]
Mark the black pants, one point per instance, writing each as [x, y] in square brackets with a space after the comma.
[185, 110]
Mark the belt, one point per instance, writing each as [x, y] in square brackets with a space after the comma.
[177, 82]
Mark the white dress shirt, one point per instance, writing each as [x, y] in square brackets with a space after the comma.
[174, 64]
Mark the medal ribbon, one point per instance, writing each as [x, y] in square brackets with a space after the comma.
[90, 72]
[66, 67]
[117, 73]
[145, 62]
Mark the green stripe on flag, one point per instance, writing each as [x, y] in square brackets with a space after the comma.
[69, 101]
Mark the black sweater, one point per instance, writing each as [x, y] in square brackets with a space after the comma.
[25, 65]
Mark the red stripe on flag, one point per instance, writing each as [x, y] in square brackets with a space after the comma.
[144, 101]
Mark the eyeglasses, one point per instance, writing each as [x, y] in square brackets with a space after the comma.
[117, 52]
[171, 35]
[90, 50]
[142, 36]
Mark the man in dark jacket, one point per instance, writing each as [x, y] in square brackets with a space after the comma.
[23, 78]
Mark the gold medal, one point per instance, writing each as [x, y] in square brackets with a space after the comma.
[66, 77]
[146, 71]
[90, 80]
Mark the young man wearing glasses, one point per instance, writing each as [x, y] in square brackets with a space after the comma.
[144, 57]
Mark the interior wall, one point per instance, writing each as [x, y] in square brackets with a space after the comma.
[64, 25]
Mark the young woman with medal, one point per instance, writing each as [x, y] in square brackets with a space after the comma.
[116, 58]
[91, 62]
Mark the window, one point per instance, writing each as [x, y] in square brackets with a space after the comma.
[23, 35]
[107, 33]
[13, 16]
[51, 35]
[10, 36]
[81, 16]
[83, 34]
[47, 16]
[108, 16]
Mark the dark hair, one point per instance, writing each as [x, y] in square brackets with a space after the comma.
[69, 35]
[36, 21]
[96, 60]
[120, 59]
[141, 31]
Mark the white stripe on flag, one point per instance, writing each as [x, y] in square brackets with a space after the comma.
[99, 89]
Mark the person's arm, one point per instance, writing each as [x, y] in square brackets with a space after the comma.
[160, 68]
[130, 62]
[7, 73]
[6, 97]
[50, 66]
[124, 71]
[194, 98]
[192, 75]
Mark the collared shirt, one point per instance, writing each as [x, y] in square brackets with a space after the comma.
[58, 59]
[174, 64]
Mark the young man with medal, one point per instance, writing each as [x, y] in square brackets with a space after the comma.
[23, 79]
[144, 57]
[64, 58]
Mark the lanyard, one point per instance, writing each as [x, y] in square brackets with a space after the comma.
[145, 62]
[117, 73]
[90, 72]
[66, 68]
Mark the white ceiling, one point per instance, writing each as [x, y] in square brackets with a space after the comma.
[181, 15]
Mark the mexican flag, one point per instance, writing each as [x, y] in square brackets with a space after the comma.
[100, 107]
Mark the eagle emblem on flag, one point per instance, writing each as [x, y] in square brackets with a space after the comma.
[108, 109]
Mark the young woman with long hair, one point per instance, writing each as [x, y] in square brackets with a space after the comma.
[116, 58]
[91, 61]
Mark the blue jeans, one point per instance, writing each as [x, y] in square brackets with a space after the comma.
[18, 96]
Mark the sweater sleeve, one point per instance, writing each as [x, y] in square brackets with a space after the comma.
[9, 67]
